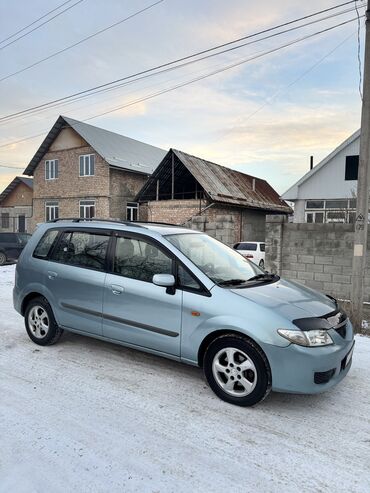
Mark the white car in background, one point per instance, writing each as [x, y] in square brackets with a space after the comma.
[253, 251]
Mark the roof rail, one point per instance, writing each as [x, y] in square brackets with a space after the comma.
[139, 224]
[85, 219]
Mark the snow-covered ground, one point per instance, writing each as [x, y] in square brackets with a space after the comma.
[86, 416]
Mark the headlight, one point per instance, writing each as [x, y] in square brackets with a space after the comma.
[307, 338]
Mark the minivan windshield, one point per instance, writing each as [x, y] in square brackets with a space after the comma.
[220, 263]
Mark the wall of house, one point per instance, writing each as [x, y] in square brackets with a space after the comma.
[124, 186]
[21, 195]
[14, 213]
[70, 207]
[171, 211]
[299, 211]
[317, 255]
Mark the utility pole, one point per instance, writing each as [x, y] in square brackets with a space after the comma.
[360, 235]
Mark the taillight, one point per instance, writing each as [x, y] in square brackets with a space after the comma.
[248, 255]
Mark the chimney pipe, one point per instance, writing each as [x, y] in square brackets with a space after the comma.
[311, 162]
[254, 184]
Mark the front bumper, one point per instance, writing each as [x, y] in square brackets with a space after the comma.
[295, 368]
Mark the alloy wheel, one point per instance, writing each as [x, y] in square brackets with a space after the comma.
[38, 321]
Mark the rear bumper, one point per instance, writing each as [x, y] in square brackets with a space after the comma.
[302, 370]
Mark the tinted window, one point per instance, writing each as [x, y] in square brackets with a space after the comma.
[262, 247]
[336, 204]
[186, 280]
[45, 244]
[82, 249]
[351, 172]
[247, 246]
[8, 238]
[140, 260]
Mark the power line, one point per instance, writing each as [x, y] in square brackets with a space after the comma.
[101, 31]
[35, 21]
[153, 95]
[42, 24]
[359, 50]
[156, 70]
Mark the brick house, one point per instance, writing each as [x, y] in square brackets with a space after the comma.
[227, 204]
[84, 171]
[16, 205]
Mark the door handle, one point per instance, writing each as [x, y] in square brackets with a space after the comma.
[52, 275]
[116, 289]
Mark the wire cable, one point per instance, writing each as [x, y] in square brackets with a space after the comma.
[42, 24]
[158, 93]
[35, 21]
[359, 50]
[67, 48]
[156, 70]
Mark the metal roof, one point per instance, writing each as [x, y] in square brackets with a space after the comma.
[221, 184]
[16, 181]
[119, 151]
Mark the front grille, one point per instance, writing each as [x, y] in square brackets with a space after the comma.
[342, 330]
[323, 376]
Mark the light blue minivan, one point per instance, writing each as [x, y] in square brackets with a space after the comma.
[183, 295]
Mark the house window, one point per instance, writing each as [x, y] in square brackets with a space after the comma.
[87, 209]
[87, 165]
[351, 172]
[51, 169]
[314, 204]
[314, 217]
[132, 211]
[5, 221]
[336, 204]
[336, 217]
[51, 210]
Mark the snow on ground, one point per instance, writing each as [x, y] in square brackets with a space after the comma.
[88, 416]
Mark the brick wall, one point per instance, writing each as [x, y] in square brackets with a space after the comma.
[124, 186]
[172, 211]
[317, 255]
[21, 195]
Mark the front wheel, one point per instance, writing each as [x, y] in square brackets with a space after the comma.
[237, 370]
[40, 322]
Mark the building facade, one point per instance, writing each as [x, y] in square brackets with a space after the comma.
[16, 206]
[327, 193]
[84, 171]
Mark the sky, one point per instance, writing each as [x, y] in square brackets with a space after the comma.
[265, 117]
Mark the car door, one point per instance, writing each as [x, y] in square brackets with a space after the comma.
[135, 310]
[75, 277]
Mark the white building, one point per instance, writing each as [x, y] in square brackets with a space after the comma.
[327, 193]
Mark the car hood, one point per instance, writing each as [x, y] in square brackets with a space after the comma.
[288, 299]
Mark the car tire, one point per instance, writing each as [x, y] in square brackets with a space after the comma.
[237, 370]
[262, 264]
[40, 322]
[3, 258]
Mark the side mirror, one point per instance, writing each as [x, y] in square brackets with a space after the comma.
[165, 280]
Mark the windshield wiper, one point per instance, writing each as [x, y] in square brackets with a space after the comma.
[232, 282]
[267, 277]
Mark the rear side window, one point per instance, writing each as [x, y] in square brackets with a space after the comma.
[46, 243]
[8, 238]
[262, 247]
[138, 259]
[247, 246]
[82, 249]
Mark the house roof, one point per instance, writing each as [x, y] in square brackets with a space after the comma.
[221, 184]
[119, 151]
[292, 192]
[14, 183]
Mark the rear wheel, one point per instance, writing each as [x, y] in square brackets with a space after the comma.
[237, 370]
[262, 264]
[2, 258]
[40, 322]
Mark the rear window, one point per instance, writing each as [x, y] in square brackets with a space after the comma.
[247, 246]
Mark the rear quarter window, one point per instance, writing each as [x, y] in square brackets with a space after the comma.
[262, 247]
[46, 243]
